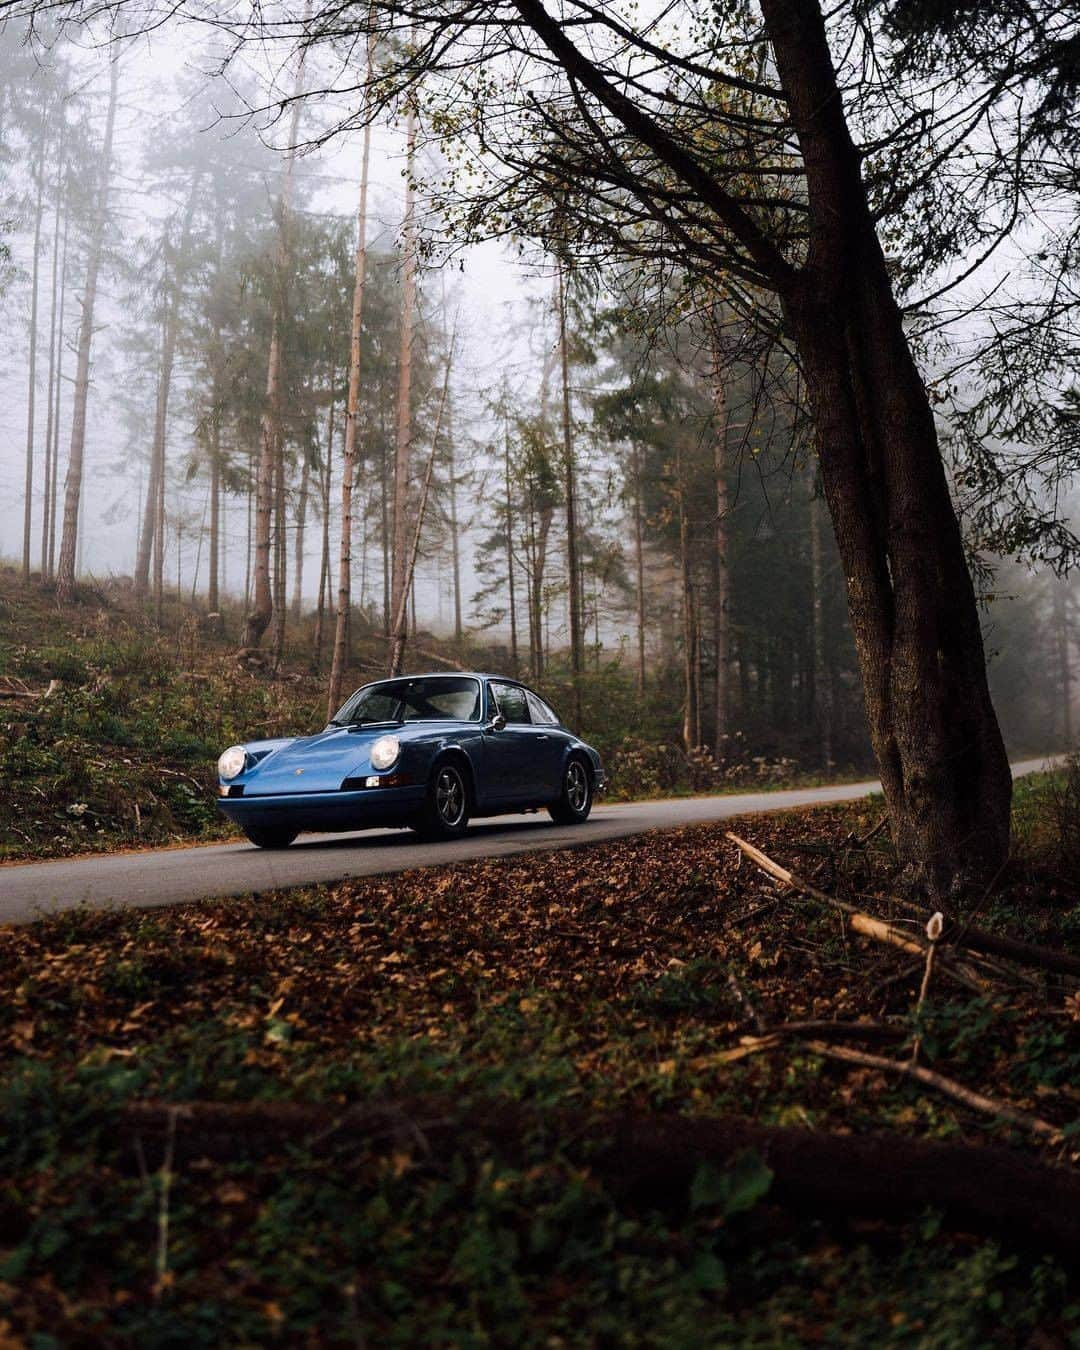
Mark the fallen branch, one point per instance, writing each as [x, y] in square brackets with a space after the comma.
[884, 932]
[948, 1087]
[655, 1157]
[1023, 953]
[975, 939]
[792, 879]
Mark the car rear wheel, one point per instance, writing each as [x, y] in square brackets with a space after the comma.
[270, 838]
[446, 810]
[575, 800]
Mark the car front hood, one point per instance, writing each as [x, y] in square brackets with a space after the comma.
[314, 763]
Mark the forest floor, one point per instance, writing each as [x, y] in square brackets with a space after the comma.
[110, 728]
[444, 1107]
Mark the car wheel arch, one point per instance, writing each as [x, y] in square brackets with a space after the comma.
[456, 755]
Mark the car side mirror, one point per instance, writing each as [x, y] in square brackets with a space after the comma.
[497, 723]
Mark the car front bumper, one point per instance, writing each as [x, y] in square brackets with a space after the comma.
[363, 810]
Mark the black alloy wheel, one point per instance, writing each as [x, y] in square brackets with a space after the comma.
[446, 811]
[575, 799]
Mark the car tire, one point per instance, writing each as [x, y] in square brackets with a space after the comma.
[575, 799]
[270, 838]
[446, 808]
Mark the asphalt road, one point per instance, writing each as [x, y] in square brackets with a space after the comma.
[171, 876]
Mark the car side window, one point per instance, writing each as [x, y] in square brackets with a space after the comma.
[510, 701]
[542, 715]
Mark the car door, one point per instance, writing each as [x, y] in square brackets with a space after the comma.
[509, 771]
[550, 741]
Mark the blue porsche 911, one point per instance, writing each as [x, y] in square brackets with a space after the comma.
[425, 751]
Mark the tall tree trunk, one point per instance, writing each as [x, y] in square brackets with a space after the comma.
[573, 582]
[65, 580]
[158, 491]
[914, 615]
[690, 631]
[298, 552]
[52, 407]
[455, 548]
[822, 682]
[404, 407]
[514, 667]
[324, 564]
[397, 651]
[148, 539]
[277, 649]
[55, 475]
[31, 390]
[1064, 656]
[271, 438]
[384, 530]
[213, 598]
[171, 294]
[352, 403]
[721, 567]
[639, 568]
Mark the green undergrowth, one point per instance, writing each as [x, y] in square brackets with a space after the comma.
[616, 978]
[475, 1247]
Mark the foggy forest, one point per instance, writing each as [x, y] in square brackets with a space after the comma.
[539, 796]
[562, 463]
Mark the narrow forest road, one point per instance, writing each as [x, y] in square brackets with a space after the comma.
[172, 876]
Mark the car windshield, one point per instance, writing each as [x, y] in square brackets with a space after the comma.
[436, 698]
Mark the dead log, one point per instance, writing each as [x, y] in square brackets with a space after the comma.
[987, 1190]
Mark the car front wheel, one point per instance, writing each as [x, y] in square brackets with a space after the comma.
[575, 799]
[270, 838]
[446, 810]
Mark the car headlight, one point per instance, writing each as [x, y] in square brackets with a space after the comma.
[232, 761]
[385, 750]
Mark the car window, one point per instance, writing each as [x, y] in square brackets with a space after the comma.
[432, 699]
[510, 701]
[541, 713]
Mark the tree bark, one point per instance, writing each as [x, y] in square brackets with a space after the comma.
[721, 568]
[573, 585]
[348, 458]
[65, 579]
[325, 585]
[31, 390]
[1061, 634]
[403, 438]
[455, 549]
[397, 652]
[271, 442]
[689, 617]
[639, 568]
[53, 406]
[913, 609]
[277, 652]
[507, 487]
[823, 690]
[169, 326]
[55, 475]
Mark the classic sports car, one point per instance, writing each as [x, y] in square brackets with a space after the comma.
[425, 751]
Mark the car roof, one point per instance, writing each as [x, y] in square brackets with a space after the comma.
[450, 674]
